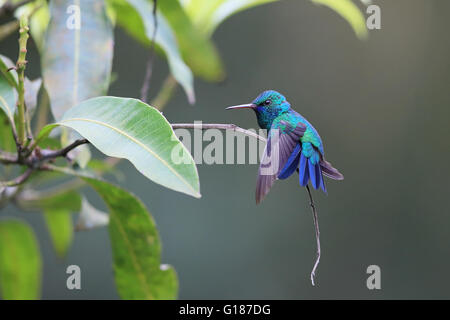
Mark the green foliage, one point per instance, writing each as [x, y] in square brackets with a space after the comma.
[209, 14]
[20, 261]
[350, 12]
[59, 224]
[197, 49]
[76, 62]
[6, 137]
[7, 99]
[136, 17]
[136, 248]
[147, 144]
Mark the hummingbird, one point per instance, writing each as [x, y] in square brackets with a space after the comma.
[293, 144]
[300, 147]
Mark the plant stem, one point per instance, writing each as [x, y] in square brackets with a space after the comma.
[63, 152]
[20, 67]
[316, 227]
[7, 157]
[17, 181]
[165, 93]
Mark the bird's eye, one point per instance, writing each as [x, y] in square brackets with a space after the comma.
[267, 102]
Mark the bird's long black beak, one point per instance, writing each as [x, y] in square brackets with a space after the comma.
[243, 106]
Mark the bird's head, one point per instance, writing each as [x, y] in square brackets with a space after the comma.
[267, 106]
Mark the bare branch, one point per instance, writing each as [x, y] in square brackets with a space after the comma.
[221, 126]
[62, 152]
[8, 158]
[17, 181]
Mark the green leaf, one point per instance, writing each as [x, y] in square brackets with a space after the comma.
[70, 200]
[32, 88]
[11, 75]
[136, 17]
[6, 138]
[20, 261]
[60, 227]
[128, 128]
[103, 167]
[196, 47]
[76, 62]
[350, 12]
[136, 247]
[7, 99]
[90, 217]
[210, 14]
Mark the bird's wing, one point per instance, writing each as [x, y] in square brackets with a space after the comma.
[282, 144]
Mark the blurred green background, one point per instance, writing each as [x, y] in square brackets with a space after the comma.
[382, 107]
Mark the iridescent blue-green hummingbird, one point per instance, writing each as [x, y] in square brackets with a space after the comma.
[293, 144]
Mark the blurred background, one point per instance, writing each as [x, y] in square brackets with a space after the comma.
[382, 107]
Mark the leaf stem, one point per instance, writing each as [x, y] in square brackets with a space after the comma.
[17, 181]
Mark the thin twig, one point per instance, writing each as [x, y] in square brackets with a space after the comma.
[221, 126]
[316, 227]
[7, 157]
[149, 68]
[17, 181]
[64, 151]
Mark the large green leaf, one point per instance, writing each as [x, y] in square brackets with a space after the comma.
[136, 17]
[196, 47]
[136, 248]
[350, 12]
[20, 261]
[60, 227]
[76, 62]
[128, 128]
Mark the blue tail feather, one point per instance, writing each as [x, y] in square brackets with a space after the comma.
[291, 163]
[312, 173]
[303, 171]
